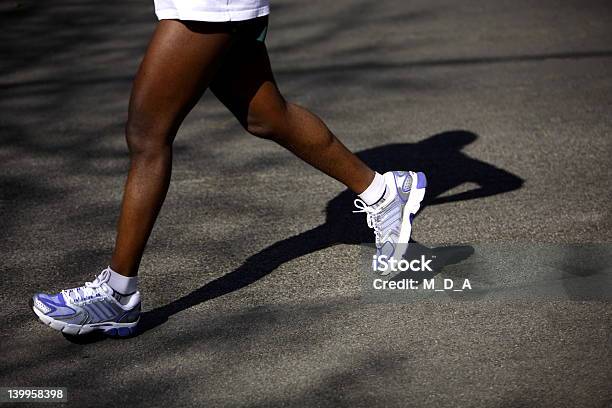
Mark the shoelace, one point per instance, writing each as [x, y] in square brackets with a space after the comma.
[372, 215]
[90, 290]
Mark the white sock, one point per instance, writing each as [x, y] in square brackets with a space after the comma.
[122, 284]
[375, 190]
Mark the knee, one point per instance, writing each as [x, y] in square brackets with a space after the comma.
[147, 138]
[264, 127]
[270, 124]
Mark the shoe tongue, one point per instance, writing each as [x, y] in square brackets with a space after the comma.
[107, 289]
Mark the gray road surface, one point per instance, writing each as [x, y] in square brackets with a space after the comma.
[251, 278]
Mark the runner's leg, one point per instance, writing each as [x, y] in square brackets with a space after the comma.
[177, 68]
[246, 85]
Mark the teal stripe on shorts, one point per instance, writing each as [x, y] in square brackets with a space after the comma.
[254, 29]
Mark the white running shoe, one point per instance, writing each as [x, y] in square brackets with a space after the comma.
[391, 218]
[93, 306]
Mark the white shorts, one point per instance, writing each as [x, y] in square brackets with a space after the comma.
[211, 10]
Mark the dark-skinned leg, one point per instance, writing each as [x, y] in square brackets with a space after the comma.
[246, 85]
[177, 68]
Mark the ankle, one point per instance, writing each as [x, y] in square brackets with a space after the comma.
[375, 191]
[124, 285]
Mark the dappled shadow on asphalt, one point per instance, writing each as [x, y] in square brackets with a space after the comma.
[57, 45]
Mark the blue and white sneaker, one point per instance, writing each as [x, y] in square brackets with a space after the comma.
[93, 306]
[391, 218]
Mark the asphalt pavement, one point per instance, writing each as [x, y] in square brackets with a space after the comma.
[251, 281]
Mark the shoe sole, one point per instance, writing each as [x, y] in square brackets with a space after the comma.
[109, 328]
[417, 193]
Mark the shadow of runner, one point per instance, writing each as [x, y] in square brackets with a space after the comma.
[439, 156]
[440, 258]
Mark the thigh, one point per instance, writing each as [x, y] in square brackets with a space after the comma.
[246, 86]
[179, 64]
